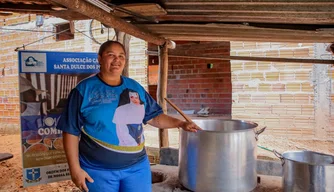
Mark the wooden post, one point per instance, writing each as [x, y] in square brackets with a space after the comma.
[162, 91]
[125, 40]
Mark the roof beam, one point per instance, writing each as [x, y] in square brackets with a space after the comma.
[268, 1]
[301, 18]
[29, 1]
[94, 12]
[24, 7]
[249, 3]
[5, 13]
[260, 7]
[69, 15]
[224, 32]
[231, 37]
[245, 58]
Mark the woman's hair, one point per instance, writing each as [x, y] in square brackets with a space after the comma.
[124, 97]
[107, 44]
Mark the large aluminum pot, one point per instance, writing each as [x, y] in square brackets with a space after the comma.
[220, 158]
[307, 171]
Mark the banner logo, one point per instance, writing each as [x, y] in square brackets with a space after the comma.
[33, 62]
[33, 175]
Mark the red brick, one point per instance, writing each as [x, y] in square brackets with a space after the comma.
[257, 75]
[263, 66]
[307, 87]
[294, 109]
[302, 75]
[287, 98]
[279, 109]
[293, 87]
[249, 66]
[264, 87]
[258, 98]
[272, 98]
[278, 87]
[272, 76]
[206, 86]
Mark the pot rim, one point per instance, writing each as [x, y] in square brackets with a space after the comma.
[294, 151]
[233, 131]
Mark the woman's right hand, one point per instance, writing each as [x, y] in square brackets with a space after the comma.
[79, 177]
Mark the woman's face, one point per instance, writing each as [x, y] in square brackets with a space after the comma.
[112, 60]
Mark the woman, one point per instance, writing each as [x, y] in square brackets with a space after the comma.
[109, 159]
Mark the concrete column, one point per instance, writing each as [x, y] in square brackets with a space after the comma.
[88, 42]
[322, 92]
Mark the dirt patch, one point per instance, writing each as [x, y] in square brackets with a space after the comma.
[11, 170]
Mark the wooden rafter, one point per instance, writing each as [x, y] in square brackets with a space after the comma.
[247, 1]
[68, 15]
[24, 7]
[244, 58]
[94, 12]
[224, 32]
[286, 18]
[5, 13]
[41, 2]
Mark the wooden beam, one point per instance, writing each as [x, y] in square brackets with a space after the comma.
[224, 32]
[242, 58]
[162, 91]
[302, 18]
[29, 1]
[145, 9]
[192, 3]
[256, 7]
[24, 7]
[296, 1]
[68, 15]
[268, 1]
[5, 13]
[229, 28]
[231, 37]
[223, 13]
[94, 12]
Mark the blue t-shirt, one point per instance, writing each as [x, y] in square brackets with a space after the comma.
[109, 121]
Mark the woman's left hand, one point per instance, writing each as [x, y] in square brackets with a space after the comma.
[189, 126]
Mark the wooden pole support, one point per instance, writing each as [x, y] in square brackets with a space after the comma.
[162, 91]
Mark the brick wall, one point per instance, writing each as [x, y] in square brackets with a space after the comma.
[278, 95]
[11, 39]
[191, 85]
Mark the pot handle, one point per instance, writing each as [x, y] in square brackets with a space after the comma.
[257, 133]
[278, 155]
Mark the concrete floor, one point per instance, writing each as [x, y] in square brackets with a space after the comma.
[166, 180]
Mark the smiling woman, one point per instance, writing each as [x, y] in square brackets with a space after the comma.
[107, 111]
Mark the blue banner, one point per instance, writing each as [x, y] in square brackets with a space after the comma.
[46, 78]
[57, 62]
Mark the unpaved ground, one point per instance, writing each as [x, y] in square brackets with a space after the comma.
[11, 170]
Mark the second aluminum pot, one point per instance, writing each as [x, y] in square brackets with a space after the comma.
[307, 171]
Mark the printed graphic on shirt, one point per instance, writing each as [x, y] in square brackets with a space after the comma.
[102, 96]
[128, 118]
